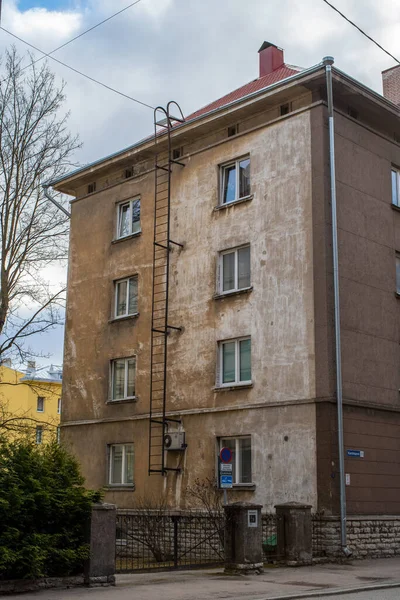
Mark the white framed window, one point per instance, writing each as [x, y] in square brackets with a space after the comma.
[40, 404]
[235, 362]
[59, 406]
[398, 272]
[128, 218]
[241, 458]
[396, 187]
[234, 269]
[123, 375]
[120, 466]
[39, 434]
[235, 180]
[126, 297]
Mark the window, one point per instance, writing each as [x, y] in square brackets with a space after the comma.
[39, 434]
[235, 180]
[128, 172]
[59, 406]
[285, 109]
[126, 297]
[120, 469]
[396, 187]
[241, 458]
[58, 435]
[234, 269]
[235, 362]
[398, 273]
[40, 404]
[352, 112]
[123, 373]
[128, 218]
[177, 153]
[91, 188]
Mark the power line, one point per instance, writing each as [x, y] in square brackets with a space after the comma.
[83, 32]
[104, 85]
[361, 31]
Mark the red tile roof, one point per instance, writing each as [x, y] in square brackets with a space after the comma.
[245, 90]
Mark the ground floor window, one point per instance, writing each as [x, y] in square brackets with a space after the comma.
[120, 468]
[39, 434]
[241, 457]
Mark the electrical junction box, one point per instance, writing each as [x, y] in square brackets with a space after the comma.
[175, 440]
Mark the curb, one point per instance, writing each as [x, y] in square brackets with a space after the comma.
[336, 592]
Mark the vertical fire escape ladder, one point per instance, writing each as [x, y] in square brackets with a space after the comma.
[160, 326]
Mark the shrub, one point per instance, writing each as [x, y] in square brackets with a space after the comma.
[44, 512]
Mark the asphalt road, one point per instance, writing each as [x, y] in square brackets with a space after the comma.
[390, 594]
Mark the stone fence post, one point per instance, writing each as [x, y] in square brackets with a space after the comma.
[100, 568]
[294, 533]
[243, 538]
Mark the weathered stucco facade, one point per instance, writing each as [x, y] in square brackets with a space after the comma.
[288, 410]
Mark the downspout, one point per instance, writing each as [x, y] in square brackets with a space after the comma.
[328, 62]
[59, 206]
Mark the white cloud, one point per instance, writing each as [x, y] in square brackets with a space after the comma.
[41, 25]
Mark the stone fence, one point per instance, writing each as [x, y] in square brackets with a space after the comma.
[375, 536]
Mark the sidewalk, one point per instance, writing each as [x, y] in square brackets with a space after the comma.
[283, 583]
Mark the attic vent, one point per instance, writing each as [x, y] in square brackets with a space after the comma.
[233, 130]
[177, 153]
[352, 112]
[285, 109]
[396, 137]
[91, 188]
[128, 172]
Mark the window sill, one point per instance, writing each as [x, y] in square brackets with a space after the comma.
[241, 487]
[395, 207]
[123, 400]
[230, 388]
[228, 204]
[127, 237]
[124, 318]
[120, 488]
[223, 295]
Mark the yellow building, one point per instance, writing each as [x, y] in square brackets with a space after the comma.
[30, 401]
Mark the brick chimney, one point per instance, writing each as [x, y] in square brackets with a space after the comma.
[391, 84]
[271, 58]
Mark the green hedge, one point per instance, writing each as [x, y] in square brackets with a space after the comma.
[44, 512]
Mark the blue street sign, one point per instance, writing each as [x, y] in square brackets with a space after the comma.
[356, 453]
[225, 455]
[226, 481]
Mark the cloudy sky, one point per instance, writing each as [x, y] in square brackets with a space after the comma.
[191, 51]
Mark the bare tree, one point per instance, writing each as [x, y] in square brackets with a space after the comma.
[35, 147]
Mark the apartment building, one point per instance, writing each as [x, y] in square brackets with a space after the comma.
[251, 364]
[30, 401]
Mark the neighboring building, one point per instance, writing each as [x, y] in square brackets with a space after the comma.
[254, 367]
[32, 399]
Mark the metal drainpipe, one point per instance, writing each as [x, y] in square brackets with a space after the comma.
[59, 206]
[328, 62]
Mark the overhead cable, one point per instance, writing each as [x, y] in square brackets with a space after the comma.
[83, 32]
[361, 31]
[104, 85]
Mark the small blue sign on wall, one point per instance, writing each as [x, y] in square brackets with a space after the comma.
[226, 481]
[356, 453]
